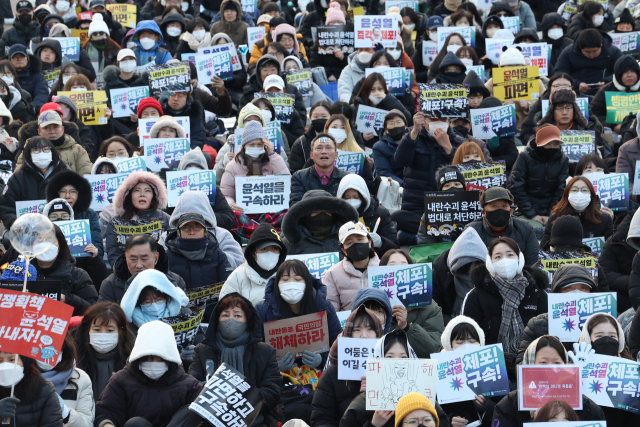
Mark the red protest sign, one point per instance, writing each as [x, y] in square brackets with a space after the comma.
[540, 384]
[32, 325]
[298, 334]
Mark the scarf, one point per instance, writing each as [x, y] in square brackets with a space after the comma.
[232, 352]
[194, 44]
[96, 57]
[511, 328]
[59, 379]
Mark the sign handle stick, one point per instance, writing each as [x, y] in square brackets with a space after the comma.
[24, 289]
[374, 230]
[15, 368]
[26, 273]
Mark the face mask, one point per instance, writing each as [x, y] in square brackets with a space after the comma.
[318, 125]
[198, 35]
[338, 134]
[433, 126]
[65, 79]
[154, 370]
[103, 342]
[433, 36]
[356, 203]
[462, 130]
[453, 48]
[131, 45]
[467, 62]
[50, 254]
[374, 100]
[78, 89]
[45, 367]
[147, 43]
[100, 43]
[232, 329]
[8, 80]
[254, 152]
[546, 153]
[498, 218]
[267, 115]
[173, 31]
[506, 268]
[292, 292]
[579, 201]
[267, 260]
[555, 33]
[467, 346]
[598, 20]
[411, 27]
[193, 168]
[41, 160]
[491, 32]
[62, 5]
[116, 160]
[323, 3]
[128, 66]
[319, 225]
[358, 251]
[25, 19]
[605, 345]
[364, 57]
[185, 6]
[154, 309]
[575, 291]
[6, 371]
[396, 133]
[395, 53]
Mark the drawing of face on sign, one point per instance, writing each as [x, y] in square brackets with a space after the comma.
[400, 370]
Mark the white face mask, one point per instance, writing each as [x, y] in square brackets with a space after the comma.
[364, 57]
[598, 20]
[49, 254]
[555, 33]
[356, 203]
[41, 160]
[103, 342]
[395, 53]
[147, 43]
[117, 160]
[433, 126]
[338, 134]
[467, 62]
[128, 66]
[254, 152]
[323, 3]
[411, 27]
[173, 31]
[185, 6]
[131, 45]
[62, 5]
[65, 79]
[575, 291]
[579, 201]
[45, 367]
[374, 100]
[154, 370]
[433, 35]
[292, 292]
[6, 374]
[78, 89]
[198, 35]
[8, 80]
[491, 32]
[193, 168]
[266, 114]
[267, 260]
[506, 268]
[467, 346]
[453, 48]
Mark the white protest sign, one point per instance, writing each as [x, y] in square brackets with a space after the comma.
[103, 188]
[124, 102]
[370, 30]
[487, 123]
[229, 47]
[132, 164]
[318, 264]
[613, 382]
[254, 35]
[467, 33]
[263, 194]
[352, 357]
[342, 315]
[390, 379]
[494, 48]
[429, 52]
[569, 311]
[163, 153]
[179, 182]
[145, 125]
[30, 206]
[407, 285]
[537, 55]
[369, 119]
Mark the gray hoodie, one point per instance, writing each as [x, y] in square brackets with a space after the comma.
[193, 157]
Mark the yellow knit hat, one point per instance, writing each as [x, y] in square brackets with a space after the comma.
[412, 402]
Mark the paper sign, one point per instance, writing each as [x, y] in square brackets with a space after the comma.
[465, 374]
[446, 211]
[91, 106]
[536, 55]
[595, 243]
[332, 38]
[125, 228]
[620, 105]
[569, 312]
[540, 384]
[263, 194]
[429, 52]
[370, 119]
[487, 123]
[352, 357]
[494, 48]
[273, 130]
[318, 264]
[145, 125]
[613, 382]
[390, 379]
[254, 35]
[132, 164]
[29, 206]
[70, 47]
[163, 153]
[577, 143]
[204, 295]
[185, 326]
[297, 334]
[444, 100]
[407, 285]
[250, 7]
[551, 261]
[124, 14]
[173, 78]
[103, 188]
[479, 70]
[83, 35]
[485, 175]
[400, 5]
[283, 104]
[394, 79]
[78, 235]
[124, 102]
[351, 161]
[354, 11]
[179, 182]
[612, 189]
[229, 47]
[568, 424]
[516, 83]
[47, 288]
[371, 30]
[301, 79]
[51, 76]
[467, 33]
[212, 65]
[511, 23]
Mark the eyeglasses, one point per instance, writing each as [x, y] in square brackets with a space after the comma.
[179, 95]
[565, 107]
[63, 216]
[583, 190]
[190, 228]
[414, 422]
[99, 33]
[150, 300]
[68, 192]
[40, 150]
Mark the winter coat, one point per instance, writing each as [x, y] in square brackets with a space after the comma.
[332, 65]
[634, 335]
[598, 105]
[237, 29]
[39, 406]
[31, 78]
[275, 166]
[308, 179]
[578, 23]
[386, 230]
[530, 123]
[604, 229]
[314, 18]
[112, 80]
[30, 129]
[156, 54]
[73, 155]
[628, 154]
[634, 283]
[107, 57]
[537, 185]
[171, 43]
[350, 75]
[247, 282]
[332, 398]
[421, 158]
[301, 149]
[77, 287]
[389, 103]
[21, 109]
[194, 110]
[343, 281]
[255, 84]
[79, 400]
[19, 34]
[217, 104]
[383, 158]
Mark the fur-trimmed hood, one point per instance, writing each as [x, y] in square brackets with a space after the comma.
[68, 177]
[48, 206]
[445, 339]
[101, 160]
[166, 121]
[132, 180]
[534, 275]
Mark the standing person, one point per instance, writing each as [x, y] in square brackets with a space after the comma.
[231, 22]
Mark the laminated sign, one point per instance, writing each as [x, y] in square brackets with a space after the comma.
[370, 119]
[169, 77]
[125, 14]
[551, 261]
[390, 379]
[214, 64]
[351, 161]
[538, 384]
[511, 23]
[254, 35]
[204, 295]
[273, 130]
[29, 206]
[70, 47]
[263, 194]
[516, 83]
[612, 189]
[583, 103]
[51, 76]
[47, 288]
[103, 188]
[124, 102]
[494, 49]
[595, 243]
[77, 233]
[484, 175]
[163, 153]
[229, 47]
[626, 42]
[333, 38]
[297, 334]
[185, 326]
[429, 52]
[132, 164]
[302, 79]
[577, 143]
[283, 104]
[613, 382]
[406, 285]
[568, 312]
[372, 30]
[444, 100]
[178, 182]
[479, 70]
[125, 228]
[467, 33]
[250, 7]
[449, 211]
[145, 125]
[91, 105]
[487, 123]
[620, 105]
[352, 357]
[536, 55]
[318, 264]
[393, 77]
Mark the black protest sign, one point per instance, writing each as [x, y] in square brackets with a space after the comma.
[185, 326]
[448, 211]
[204, 295]
[169, 77]
[283, 104]
[47, 288]
[333, 38]
[444, 100]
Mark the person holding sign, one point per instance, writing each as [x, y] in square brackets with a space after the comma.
[101, 48]
[554, 412]
[178, 104]
[451, 43]
[333, 64]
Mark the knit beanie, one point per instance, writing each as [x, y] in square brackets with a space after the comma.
[447, 174]
[625, 18]
[249, 110]
[98, 24]
[149, 102]
[15, 271]
[252, 131]
[512, 57]
[393, 114]
[230, 5]
[335, 14]
[60, 207]
[566, 231]
[414, 402]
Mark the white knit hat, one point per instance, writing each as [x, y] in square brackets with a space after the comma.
[512, 57]
[98, 24]
[156, 338]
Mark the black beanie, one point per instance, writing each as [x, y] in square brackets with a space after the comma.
[566, 231]
[447, 174]
[265, 233]
[230, 5]
[625, 17]
[59, 207]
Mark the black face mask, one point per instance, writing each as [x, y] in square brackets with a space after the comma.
[58, 142]
[319, 225]
[25, 19]
[396, 133]
[452, 77]
[498, 218]
[456, 189]
[358, 251]
[546, 153]
[191, 245]
[462, 130]
[606, 345]
[318, 125]
[6, 99]
[99, 44]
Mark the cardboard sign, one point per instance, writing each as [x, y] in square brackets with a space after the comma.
[179, 182]
[351, 161]
[132, 164]
[465, 374]
[390, 379]
[227, 399]
[540, 384]
[173, 78]
[569, 312]
[185, 326]
[83, 35]
[487, 123]
[352, 357]
[400, 5]
[90, 104]
[204, 295]
[77, 234]
[145, 125]
[393, 77]
[485, 175]
[283, 104]
[103, 188]
[595, 243]
[444, 100]
[536, 55]
[406, 285]
[302, 79]
[125, 228]
[479, 70]
[51, 76]
[229, 47]
[613, 382]
[511, 23]
[577, 143]
[33, 325]
[516, 83]
[467, 33]
[429, 52]
[494, 48]
[297, 334]
[370, 119]
[446, 211]
[583, 103]
[372, 30]
[212, 65]
[612, 189]
[29, 206]
[47, 288]
[620, 105]
[626, 42]
[124, 102]
[551, 261]
[163, 153]
[333, 38]
[125, 14]
[318, 264]
[263, 194]
[254, 35]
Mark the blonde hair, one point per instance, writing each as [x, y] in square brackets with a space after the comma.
[348, 144]
[466, 148]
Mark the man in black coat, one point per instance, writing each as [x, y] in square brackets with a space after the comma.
[554, 30]
[315, 18]
[30, 78]
[24, 28]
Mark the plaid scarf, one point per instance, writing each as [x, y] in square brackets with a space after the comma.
[511, 328]
[247, 224]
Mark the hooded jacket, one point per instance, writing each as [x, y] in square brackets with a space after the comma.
[450, 59]
[194, 110]
[171, 43]
[585, 337]
[350, 75]
[31, 78]
[603, 229]
[73, 155]
[557, 46]
[54, 45]
[18, 107]
[39, 403]
[77, 287]
[236, 30]
[598, 105]
[383, 153]
[475, 84]
[378, 295]
[100, 161]
[156, 54]
[298, 239]
[113, 80]
[19, 34]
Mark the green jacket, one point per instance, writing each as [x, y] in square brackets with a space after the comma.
[425, 326]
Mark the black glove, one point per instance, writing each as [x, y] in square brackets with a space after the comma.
[8, 407]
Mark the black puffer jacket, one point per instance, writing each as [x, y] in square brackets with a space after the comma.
[29, 130]
[331, 390]
[39, 405]
[112, 80]
[598, 104]
[19, 34]
[308, 179]
[406, 100]
[386, 230]
[315, 18]
[529, 124]
[389, 103]
[604, 229]
[634, 283]
[77, 287]
[616, 259]
[332, 65]
[194, 110]
[549, 20]
[171, 43]
[634, 335]
[537, 184]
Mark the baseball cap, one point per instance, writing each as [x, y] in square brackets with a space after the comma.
[49, 118]
[51, 106]
[191, 217]
[350, 228]
[17, 48]
[123, 53]
[24, 5]
[266, 243]
[95, 3]
[273, 81]
[546, 134]
[493, 194]
[264, 18]
[435, 22]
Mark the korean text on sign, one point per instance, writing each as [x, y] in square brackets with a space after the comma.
[390, 379]
[78, 235]
[540, 384]
[104, 187]
[612, 189]
[516, 83]
[178, 182]
[446, 211]
[613, 382]
[164, 153]
[407, 285]
[371, 30]
[318, 264]
[352, 357]
[444, 100]
[569, 312]
[263, 194]
[335, 38]
[297, 334]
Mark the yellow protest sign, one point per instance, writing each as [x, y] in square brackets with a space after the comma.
[515, 83]
[83, 34]
[124, 14]
[554, 264]
[91, 106]
[355, 11]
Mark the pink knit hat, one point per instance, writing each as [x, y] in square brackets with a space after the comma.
[335, 14]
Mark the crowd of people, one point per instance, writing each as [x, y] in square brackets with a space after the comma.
[120, 364]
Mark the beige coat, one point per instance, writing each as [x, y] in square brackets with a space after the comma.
[343, 282]
[236, 30]
[72, 154]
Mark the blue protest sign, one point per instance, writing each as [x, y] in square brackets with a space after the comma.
[351, 161]
[78, 235]
[408, 285]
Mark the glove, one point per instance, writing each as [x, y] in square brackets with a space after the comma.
[581, 353]
[378, 47]
[286, 363]
[65, 410]
[377, 240]
[312, 360]
[493, 143]
[8, 407]
[187, 353]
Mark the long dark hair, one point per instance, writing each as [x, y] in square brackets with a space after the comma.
[435, 65]
[40, 142]
[555, 77]
[554, 343]
[308, 301]
[591, 8]
[395, 337]
[127, 204]
[472, 53]
[365, 90]
[592, 214]
[58, 86]
[29, 387]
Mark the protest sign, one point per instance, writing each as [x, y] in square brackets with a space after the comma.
[318, 264]
[487, 123]
[125, 228]
[568, 312]
[370, 119]
[250, 7]
[229, 47]
[465, 374]
[179, 182]
[538, 384]
[372, 30]
[595, 243]
[511, 23]
[254, 35]
[494, 48]
[70, 47]
[185, 326]
[354, 11]
[400, 5]
[613, 382]
[516, 83]
[47, 288]
[612, 189]
[302, 79]
[263, 194]
[351, 161]
[33, 325]
[626, 42]
[29, 206]
[394, 78]
[213, 64]
[620, 105]
[406, 285]
[227, 399]
[90, 104]
[169, 77]
[479, 70]
[583, 103]
[163, 153]
[77, 233]
[332, 38]
[297, 334]
[352, 357]
[145, 125]
[342, 316]
[536, 55]
[390, 379]
[204, 295]
[83, 35]
[568, 424]
[485, 175]
[577, 143]
[132, 164]
[51, 76]
[125, 14]
[283, 104]
[551, 261]
[103, 188]
[124, 102]
[429, 52]
[446, 211]
[467, 33]
[273, 130]
[444, 100]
